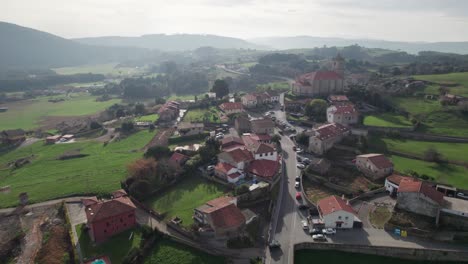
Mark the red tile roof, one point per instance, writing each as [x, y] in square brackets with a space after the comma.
[250, 97]
[231, 141]
[263, 148]
[330, 131]
[396, 179]
[106, 209]
[231, 106]
[234, 175]
[338, 98]
[379, 160]
[228, 216]
[421, 187]
[344, 109]
[219, 202]
[240, 155]
[332, 204]
[307, 78]
[263, 123]
[178, 158]
[224, 167]
[119, 193]
[264, 168]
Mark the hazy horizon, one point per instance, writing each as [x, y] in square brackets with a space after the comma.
[391, 20]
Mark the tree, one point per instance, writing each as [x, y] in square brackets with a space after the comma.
[94, 125]
[302, 139]
[142, 169]
[157, 152]
[432, 154]
[140, 189]
[221, 88]
[276, 138]
[127, 126]
[159, 100]
[140, 109]
[316, 109]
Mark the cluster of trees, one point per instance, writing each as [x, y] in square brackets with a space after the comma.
[221, 88]
[42, 82]
[317, 110]
[283, 65]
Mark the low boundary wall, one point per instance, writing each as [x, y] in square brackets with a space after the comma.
[395, 252]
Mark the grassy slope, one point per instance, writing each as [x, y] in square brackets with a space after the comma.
[187, 195]
[337, 257]
[116, 248]
[417, 105]
[170, 252]
[197, 115]
[451, 151]
[387, 120]
[460, 78]
[445, 173]
[27, 114]
[47, 178]
[148, 118]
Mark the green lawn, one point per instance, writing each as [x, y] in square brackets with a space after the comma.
[115, 248]
[184, 97]
[307, 256]
[387, 120]
[444, 173]
[169, 252]
[451, 151]
[28, 114]
[47, 178]
[211, 114]
[147, 118]
[450, 123]
[275, 86]
[106, 69]
[417, 105]
[459, 78]
[181, 199]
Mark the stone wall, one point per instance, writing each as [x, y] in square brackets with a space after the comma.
[395, 252]
[416, 203]
[453, 221]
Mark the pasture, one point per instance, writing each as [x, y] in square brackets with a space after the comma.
[181, 199]
[147, 118]
[110, 69]
[457, 82]
[444, 173]
[450, 151]
[47, 177]
[387, 120]
[29, 114]
[211, 114]
[169, 252]
[417, 105]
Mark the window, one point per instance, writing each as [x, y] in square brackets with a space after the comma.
[339, 217]
[346, 218]
[261, 155]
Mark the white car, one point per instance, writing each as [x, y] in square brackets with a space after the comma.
[300, 166]
[319, 237]
[329, 231]
[299, 150]
[297, 184]
[305, 225]
[210, 168]
[462, 195]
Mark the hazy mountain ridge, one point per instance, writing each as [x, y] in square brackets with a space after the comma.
[176, 42]
[299, 42]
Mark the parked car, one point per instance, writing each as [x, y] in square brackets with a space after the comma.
[210, 168]
[298, 196]
[306, 161]
[315, 231]
[300, 166]
[462, 195]
[298, 158]
[274, 244]
[305, 225]
[298, 178]
[319, 237]
[329, 231]
[299, 150]
[272, 112]
[297, 184]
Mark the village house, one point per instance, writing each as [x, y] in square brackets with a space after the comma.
[242, 124]
[255, 99]
[178, 159]
[321, 82]
[262, 126]
[451, 99]
[238, 157]
[188, 129]
[392, 183]
[324, 137]
[342, 114]
[274, 96]
[222, 215]
[338, 99]
[231, 142]
[10, 137]
[265, 152]
[227, 172]
[52, 139]
[264, 169]
[231, 108]
[419, 197]
[454, 213]
[110, 217]
[374, 165]
[336, 212]
[249, 100]
[251, 141]
[169, 111]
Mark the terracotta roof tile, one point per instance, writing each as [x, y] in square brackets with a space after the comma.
[420, 187]
[396, 179]
[264, 168]
[332, 204]
[223, 167]
[228, 216]
[344, 109]
[379, 160]
[330, 131]
[231, 106]
[105, 209]
[307, 78]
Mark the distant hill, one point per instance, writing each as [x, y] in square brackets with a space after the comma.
[22, 47]
[299, 42]
[176, 42]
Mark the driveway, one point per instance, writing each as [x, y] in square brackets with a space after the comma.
[365, 207]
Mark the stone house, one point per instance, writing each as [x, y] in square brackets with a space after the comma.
[265, 170]
[265, 152]
[169, 111]
[242, 124]
[231, 108]
[324, 137]
[222, 215]
[262, 126]
[345, 114]
[374, 165]
[188, 129]
[392, 183]
[238, 157]
[336, 212]
[227, 172]
[419, 197]
[249, 100]
[337, 99]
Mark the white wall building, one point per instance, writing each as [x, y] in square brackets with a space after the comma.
[336, 212]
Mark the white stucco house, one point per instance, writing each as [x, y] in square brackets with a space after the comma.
[336, 212]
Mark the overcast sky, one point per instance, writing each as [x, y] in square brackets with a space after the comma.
[408, 20]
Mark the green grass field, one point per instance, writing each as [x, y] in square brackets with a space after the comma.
[169, 252]
[147, 118]
[387, 120]
[417, 105]
[115, 248]
[451, 151]
[211, 114]
[28, 114]
[106, 69]
[47, 178]
[181, 199]
[450, 123]
[275, 86]
[184, 97]
[444, 173]
[337, 257]
[459, 78]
